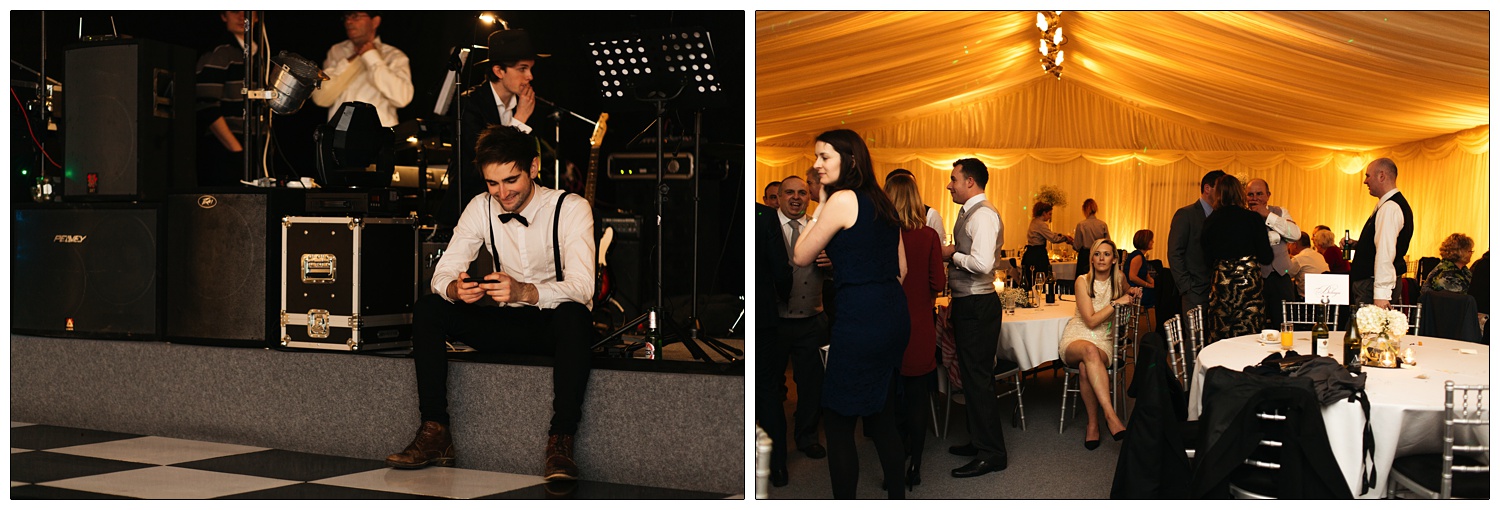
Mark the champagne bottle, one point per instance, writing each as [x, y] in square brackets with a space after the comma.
[1320, 331]
[1353, 345]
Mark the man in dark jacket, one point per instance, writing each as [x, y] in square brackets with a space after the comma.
[506, 98]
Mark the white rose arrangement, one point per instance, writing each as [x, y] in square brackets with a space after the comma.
[1372, 319]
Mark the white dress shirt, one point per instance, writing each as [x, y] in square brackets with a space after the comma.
[507, 117]
[526, 251]
[980, 226]
[381, 77]
[1388, 225]
[1280, 229]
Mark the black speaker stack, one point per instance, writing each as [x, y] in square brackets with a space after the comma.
[92, 264]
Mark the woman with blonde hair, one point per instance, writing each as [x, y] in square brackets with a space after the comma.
[1088, 343]
[925, 278]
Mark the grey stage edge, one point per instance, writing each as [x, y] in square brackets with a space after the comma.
[680, 431]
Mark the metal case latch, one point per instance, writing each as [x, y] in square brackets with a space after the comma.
[317, 323]
[319, 268]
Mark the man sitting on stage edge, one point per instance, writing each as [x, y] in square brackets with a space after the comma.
[542, 240]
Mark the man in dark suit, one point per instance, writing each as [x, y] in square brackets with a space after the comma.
[1184, 249]
[508, 77]
[773, 284]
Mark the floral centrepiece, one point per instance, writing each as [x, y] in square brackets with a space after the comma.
[1013, 295]
[1380, 333]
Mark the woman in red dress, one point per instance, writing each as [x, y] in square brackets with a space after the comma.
[925, 278]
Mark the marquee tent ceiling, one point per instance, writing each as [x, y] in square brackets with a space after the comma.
[1273, 81]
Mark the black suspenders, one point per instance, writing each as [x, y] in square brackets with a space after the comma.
[557, 261]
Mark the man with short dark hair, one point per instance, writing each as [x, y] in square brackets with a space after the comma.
[1380, 255]
[978, 236]
[1190, 273]
[803, 325]
[542, 243]
[772, 197]
[365, 69]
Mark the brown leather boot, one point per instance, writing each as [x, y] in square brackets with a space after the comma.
[432, 445]
[559, 465]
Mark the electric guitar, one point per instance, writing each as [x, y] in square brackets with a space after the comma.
[602, 277]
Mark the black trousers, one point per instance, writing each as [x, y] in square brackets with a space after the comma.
[976, 335]
[804, 339]
[565, 333]
[1033, 261]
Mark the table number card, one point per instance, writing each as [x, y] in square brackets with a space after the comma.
[1333, 287]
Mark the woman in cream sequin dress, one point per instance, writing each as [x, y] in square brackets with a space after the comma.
[1086, 341]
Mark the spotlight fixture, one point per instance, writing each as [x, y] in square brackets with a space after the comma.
[1052, 39]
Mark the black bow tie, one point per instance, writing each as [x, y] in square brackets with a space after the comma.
[505, 218]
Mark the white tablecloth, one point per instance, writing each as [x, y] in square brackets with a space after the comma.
[1406, 404]
[1030, 336]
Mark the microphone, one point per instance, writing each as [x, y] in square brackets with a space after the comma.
[549, 103]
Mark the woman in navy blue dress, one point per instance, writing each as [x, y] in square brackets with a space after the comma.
[857, 225]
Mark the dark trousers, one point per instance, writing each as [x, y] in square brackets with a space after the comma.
[843, 457]
[565, 333]
[804, 339]
[1033, 261]
[976, 335]
[770, 390]
[1278, 288]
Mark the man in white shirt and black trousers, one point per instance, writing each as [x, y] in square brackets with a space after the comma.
[544, 283]
[977, 237]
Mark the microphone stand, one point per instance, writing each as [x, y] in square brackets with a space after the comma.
[556, 115]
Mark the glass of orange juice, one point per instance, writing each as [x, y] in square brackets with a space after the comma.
[1286, 336]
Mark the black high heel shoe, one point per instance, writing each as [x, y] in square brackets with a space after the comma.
[913, 476]
[1118, 435]
[1089, 444]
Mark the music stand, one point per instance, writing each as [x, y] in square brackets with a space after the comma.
[656, 68]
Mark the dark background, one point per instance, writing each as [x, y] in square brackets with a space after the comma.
[427, 38]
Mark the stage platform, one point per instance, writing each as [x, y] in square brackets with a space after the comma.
[673, 424]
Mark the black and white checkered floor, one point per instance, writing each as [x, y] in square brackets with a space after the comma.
[51, 462]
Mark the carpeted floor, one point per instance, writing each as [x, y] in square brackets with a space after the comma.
[1043, 464]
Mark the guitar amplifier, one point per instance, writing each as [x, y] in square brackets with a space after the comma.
[385, 202]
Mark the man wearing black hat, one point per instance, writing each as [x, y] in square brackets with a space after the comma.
[365, 69]
[505, 98]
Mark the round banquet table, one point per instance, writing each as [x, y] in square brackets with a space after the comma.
[1030, 336]
[1406, 404]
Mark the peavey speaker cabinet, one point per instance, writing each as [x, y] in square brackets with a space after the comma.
[347, 283]
[86, 271]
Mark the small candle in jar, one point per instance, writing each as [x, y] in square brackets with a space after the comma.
[1409, 357]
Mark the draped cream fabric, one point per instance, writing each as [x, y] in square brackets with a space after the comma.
[1148, 102]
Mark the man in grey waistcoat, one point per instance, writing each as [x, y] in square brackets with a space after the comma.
[975, 315]
[803, 328]
[1282, 230]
